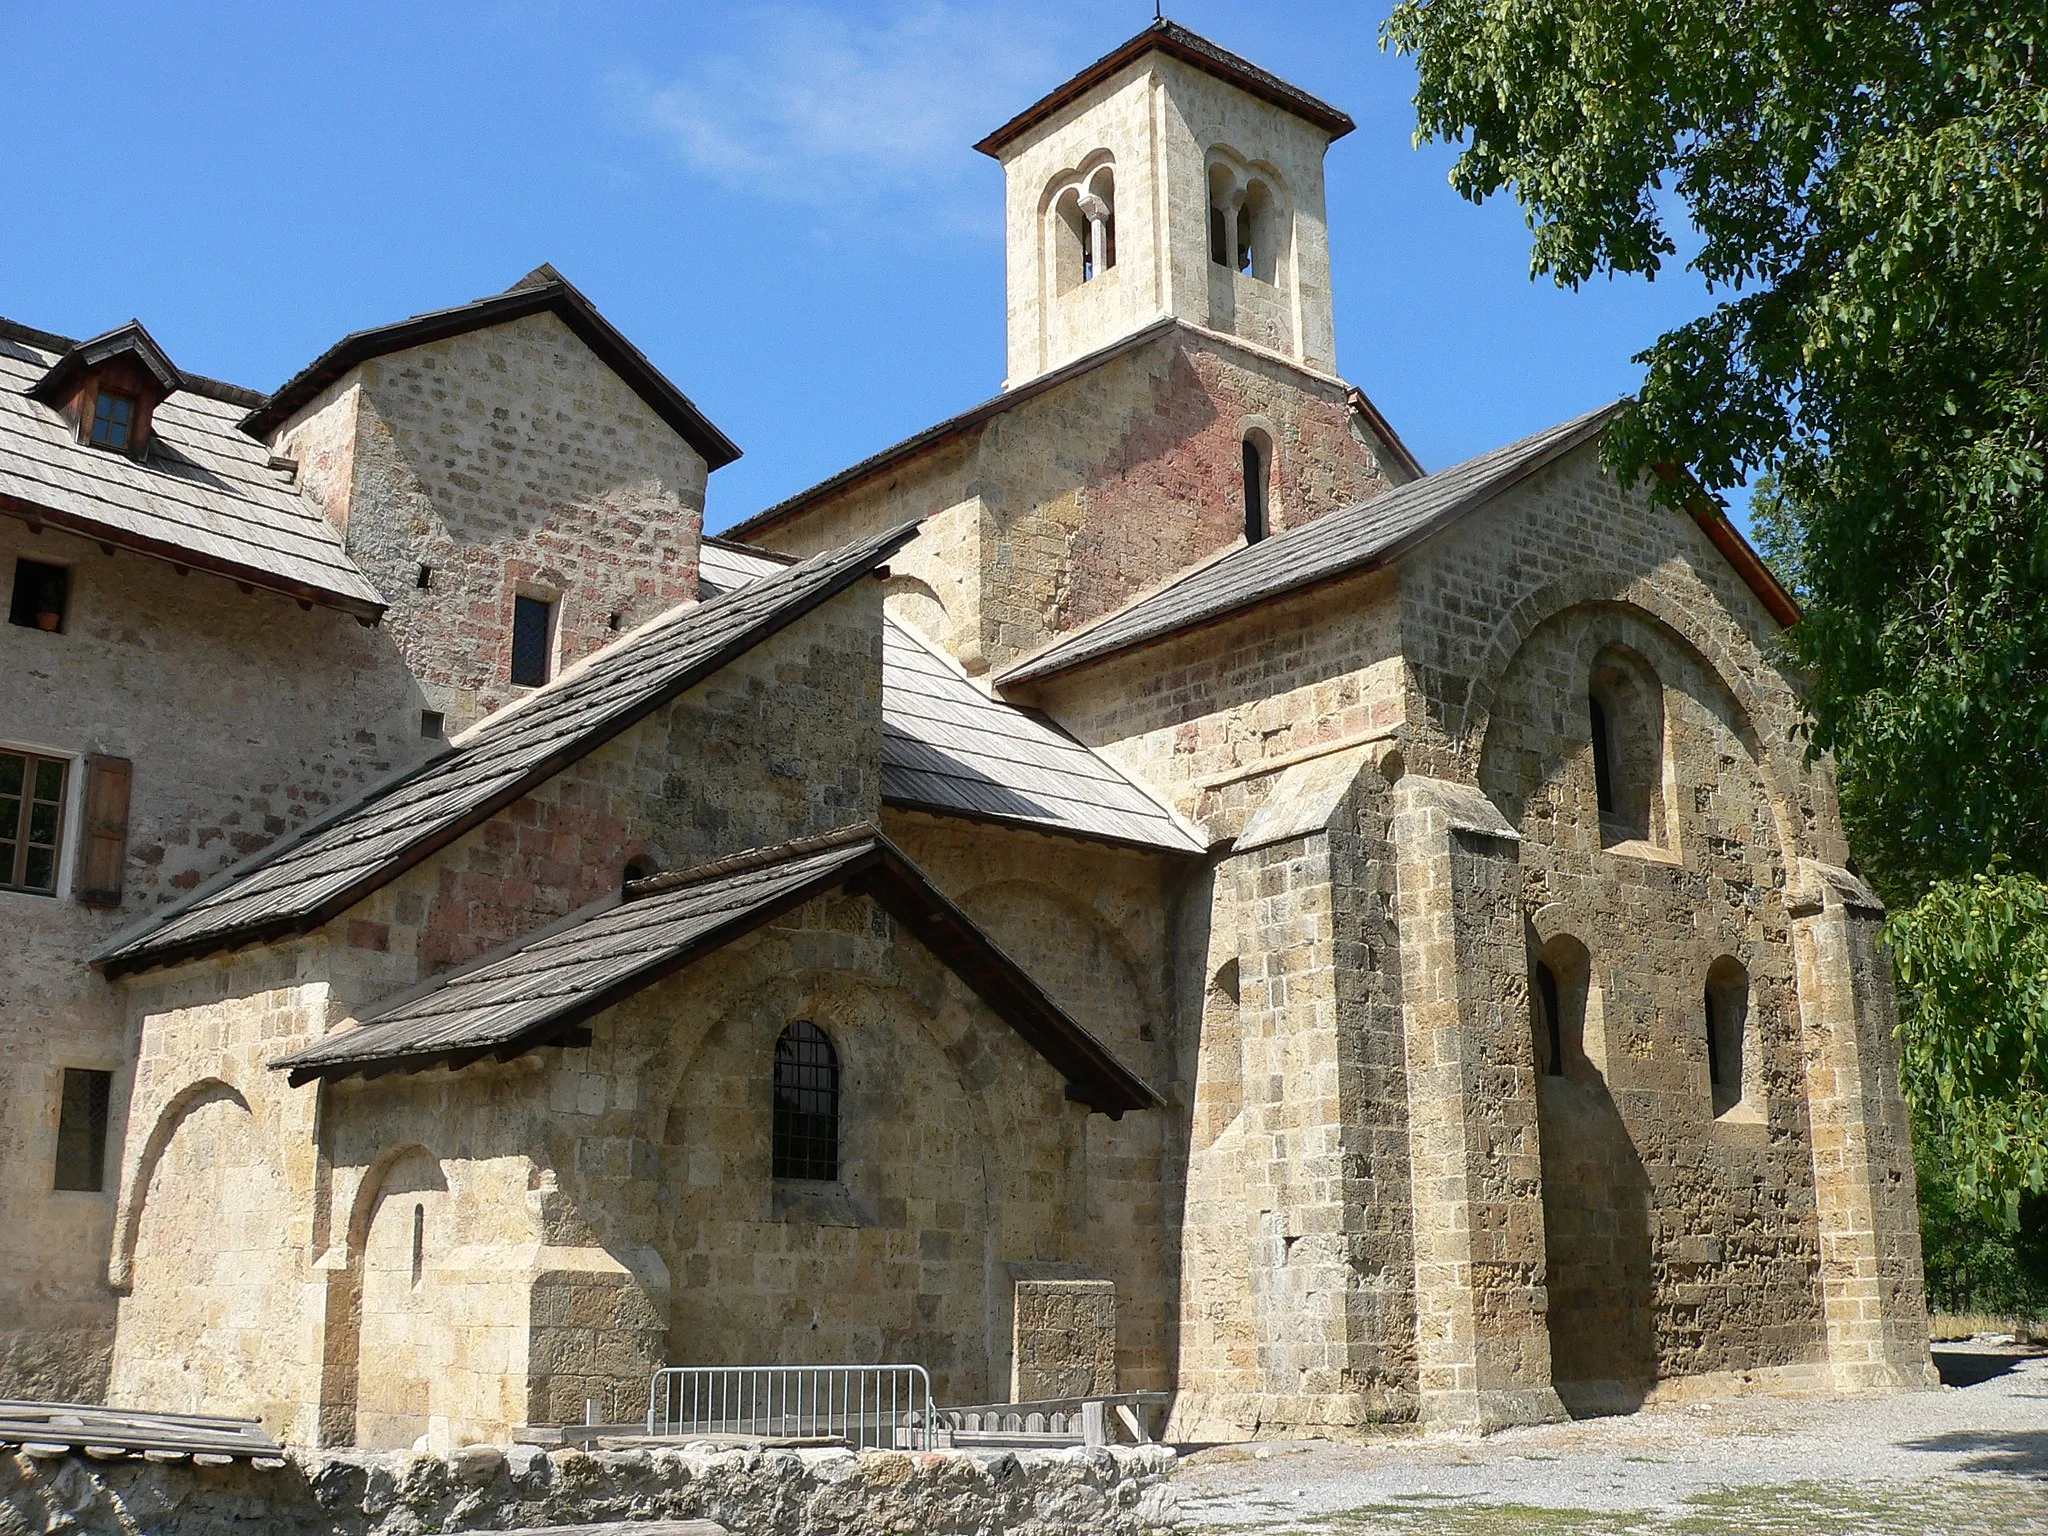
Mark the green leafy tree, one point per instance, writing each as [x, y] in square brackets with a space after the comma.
[1864, 187]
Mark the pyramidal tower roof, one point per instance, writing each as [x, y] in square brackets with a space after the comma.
[1191, 48]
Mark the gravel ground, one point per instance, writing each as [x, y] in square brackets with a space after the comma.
[1968, 1460]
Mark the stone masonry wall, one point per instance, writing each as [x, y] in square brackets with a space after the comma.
[1103, 487]
[244, 717]
[509, 461]
[1114, 1491]
[790, 736]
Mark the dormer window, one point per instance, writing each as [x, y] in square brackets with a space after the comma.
[113, 420]
[109, 389]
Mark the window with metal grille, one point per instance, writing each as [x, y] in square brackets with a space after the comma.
[113, 417]
[532, 621]
[806, 1131]
[82, 1129]
[31, 821]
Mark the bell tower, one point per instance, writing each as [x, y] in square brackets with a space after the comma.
[1168, 178]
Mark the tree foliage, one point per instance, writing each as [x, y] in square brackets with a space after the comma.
[1864, 187]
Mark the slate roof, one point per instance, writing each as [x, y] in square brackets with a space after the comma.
[1358, 538]
[203, 495]
[335, 863]
[1175, 40]
[538, 990]
[948, 746]
[541, 289]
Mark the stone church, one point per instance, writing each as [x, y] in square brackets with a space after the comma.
[472, 938]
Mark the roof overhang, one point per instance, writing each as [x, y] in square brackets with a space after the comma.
[543, 290]
[1197, 52]
[866, 864]
[130, 342]
[181, 558]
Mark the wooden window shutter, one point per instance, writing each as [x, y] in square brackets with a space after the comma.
[103, 839]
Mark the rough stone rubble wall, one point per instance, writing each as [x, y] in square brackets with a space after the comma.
[245, 717]
[1115, 1491]
[511, 461]
[1076, 500]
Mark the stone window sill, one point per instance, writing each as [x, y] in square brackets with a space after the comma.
[1648, 852]
[803, 1202]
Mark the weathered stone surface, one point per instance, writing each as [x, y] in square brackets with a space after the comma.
[684, 1491]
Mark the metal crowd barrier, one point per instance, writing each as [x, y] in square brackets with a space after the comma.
[868, 1406]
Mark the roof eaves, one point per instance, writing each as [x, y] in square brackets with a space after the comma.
[132, 338]
[953, 426]
[554, 293]
[1070, 652]
[1191, 48]
[367, 610]
[1722, 533]
[131, 956]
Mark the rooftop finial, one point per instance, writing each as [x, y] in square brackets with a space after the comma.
[1159, 10]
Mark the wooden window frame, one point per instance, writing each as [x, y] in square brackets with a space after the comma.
[13, 877]
[131, 428]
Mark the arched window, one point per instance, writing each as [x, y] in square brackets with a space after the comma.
[1625, 720]
[1099, 206]
[1070, 238]
[1222, 223]
[1258, 468]
[419, 1244]
[1727, 1022]
[806, 1127]
[1560, 975]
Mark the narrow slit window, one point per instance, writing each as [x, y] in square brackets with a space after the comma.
[40, 597]
[533, 622]
[113, 419]
[1551, 1005]
[1255, 478]
[1219, 236]
[31, 821]
[82, 1130]
[806, 1128]
[419, 1244]
[1603, 764]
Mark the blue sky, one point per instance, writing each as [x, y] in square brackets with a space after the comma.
[777, 202]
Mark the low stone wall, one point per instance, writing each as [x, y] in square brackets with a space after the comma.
[1120, 1490]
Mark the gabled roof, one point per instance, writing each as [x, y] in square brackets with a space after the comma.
[338, 861]
[541, 289]
[538, 990]
[947, 746]
[1191, 48]
[203, 495]
[1358, 538]
[131, 340]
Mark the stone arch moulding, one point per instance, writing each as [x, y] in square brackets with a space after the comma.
[136, 1182]
[971, 901]
[1679, 623]
[368, 1189]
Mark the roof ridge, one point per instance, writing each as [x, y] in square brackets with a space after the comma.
[669, 882]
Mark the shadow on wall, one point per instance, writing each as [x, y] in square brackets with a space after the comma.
[1596, 1206]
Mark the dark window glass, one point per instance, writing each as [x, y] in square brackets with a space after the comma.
[432, 724]
[1603, 766]
[113, 416]
[532, 618]
[1714, 1027]
[1553, 1017]
[1254, 492]
[40, 594]
[82, 1130]
[806, 1131]
[31, 821]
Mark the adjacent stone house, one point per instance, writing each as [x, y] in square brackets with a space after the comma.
[1367, 932]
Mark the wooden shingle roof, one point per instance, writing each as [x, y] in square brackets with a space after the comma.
[338, 861]
[203, 495]
[539, 990]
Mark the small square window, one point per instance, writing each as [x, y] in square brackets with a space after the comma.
[40, 595]
[82, 1130]
[533, 622]
[113, 419]
[31, 821]
[433, 724]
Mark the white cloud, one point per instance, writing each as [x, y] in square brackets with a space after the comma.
[844, 114]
